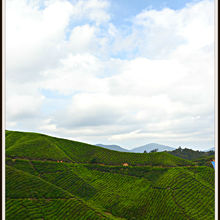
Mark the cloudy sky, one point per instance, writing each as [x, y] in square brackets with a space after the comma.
[112, 71]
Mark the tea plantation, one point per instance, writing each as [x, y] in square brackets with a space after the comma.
[53, 178]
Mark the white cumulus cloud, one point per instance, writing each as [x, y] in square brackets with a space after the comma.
[151, 81]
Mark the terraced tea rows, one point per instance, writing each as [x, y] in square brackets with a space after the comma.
[148, 172]
[175, 191]
[29, 195]
[38, 146]
[77, 189]
[192, 195]
[51, 209]
[24, 185]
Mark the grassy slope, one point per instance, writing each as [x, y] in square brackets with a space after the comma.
[33, 197]
[38, 146]
[49, 190]
[125, 192]
[190, 154]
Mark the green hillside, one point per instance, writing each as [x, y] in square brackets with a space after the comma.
[91, 183]
[43, 147]
[205, 160]
[190, 154]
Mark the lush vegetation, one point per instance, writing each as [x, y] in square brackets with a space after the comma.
[92, 184]
[204, 161]
[38, 146]
[190, 154]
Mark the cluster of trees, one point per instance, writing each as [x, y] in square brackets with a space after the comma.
[154, 150]
[190, 154]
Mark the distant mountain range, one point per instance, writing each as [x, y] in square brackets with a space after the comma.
[113, 147]
[141, 149]
[147, 148]
[56, 178]
[150, 147]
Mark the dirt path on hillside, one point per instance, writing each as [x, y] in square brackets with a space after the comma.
[100, 164]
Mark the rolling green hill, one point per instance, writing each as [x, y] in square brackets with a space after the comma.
[43, 147]
[190, 154]
[204, 161]
[91, 182]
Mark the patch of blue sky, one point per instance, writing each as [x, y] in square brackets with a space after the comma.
[51, 106]
[123, 10]
[126, 55]
[51, 94]
[40, 4]
[55, 101]
[74, 23]
[106, 74]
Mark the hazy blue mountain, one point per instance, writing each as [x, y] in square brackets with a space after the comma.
[150, 147]
[113, 147]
